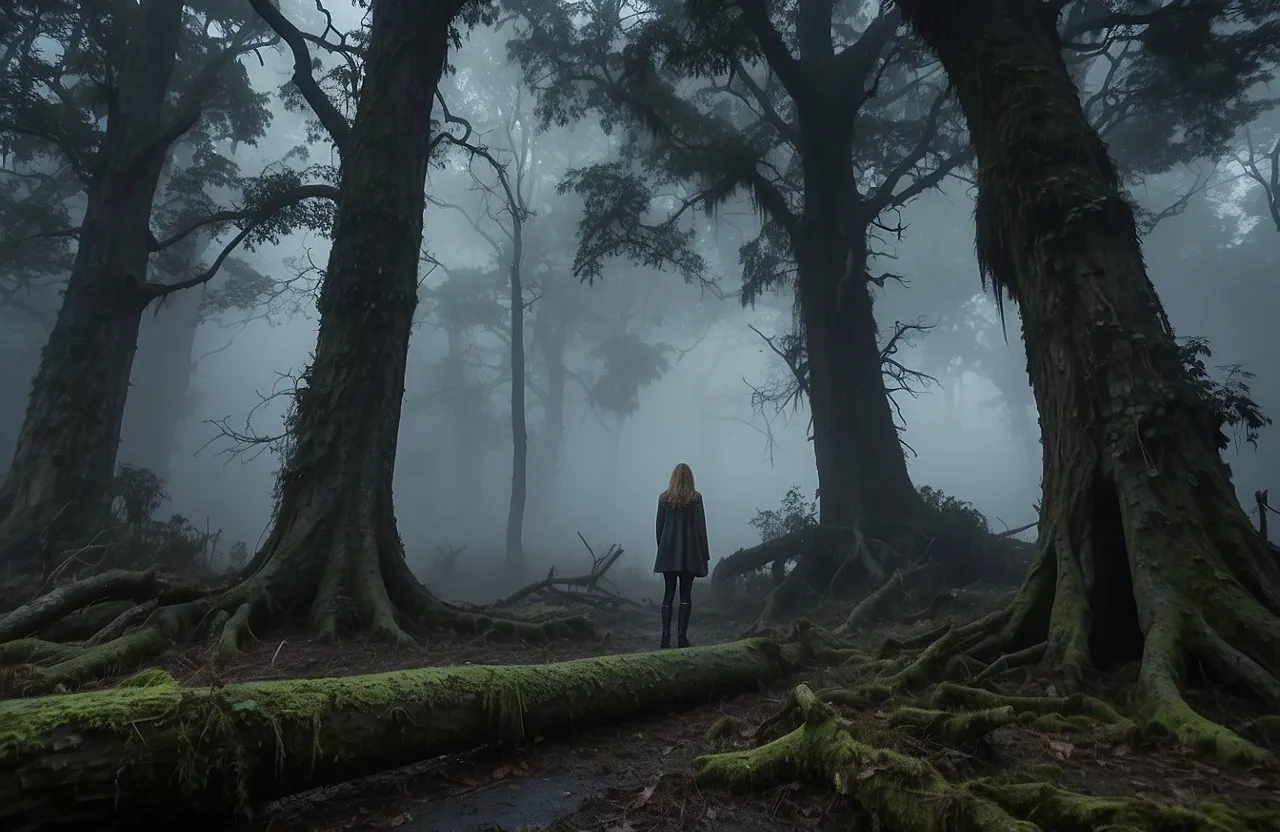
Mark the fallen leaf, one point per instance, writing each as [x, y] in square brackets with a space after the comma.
[1252, 783]
[666, 752]
[501, 773]
[645, 794]
[1061, 750]
[400, 820]
[869, 772]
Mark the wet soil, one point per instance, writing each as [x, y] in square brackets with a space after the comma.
[636, 776]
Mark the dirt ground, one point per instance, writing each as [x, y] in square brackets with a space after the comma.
[636, 776]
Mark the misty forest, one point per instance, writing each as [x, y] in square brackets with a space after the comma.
[347, 348]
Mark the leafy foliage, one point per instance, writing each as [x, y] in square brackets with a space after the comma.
[954, 513]
[794, 514]
[139, 540]
[1230, 399]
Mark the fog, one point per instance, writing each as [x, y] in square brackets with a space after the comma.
[687, 352]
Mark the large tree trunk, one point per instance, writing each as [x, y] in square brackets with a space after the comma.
[862, 474]
[334, 548]
[163, 754]
[1144, 549]
[66, 454]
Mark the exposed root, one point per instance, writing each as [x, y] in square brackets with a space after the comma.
[1046, 712]
[907, 794]
[234, 631]
[122, 622]
[36, 652]
[1011, 661]
[90, 663]
[44, 610]
[965, 728]
[929, 666]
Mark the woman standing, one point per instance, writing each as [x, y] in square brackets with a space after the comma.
[683, 553]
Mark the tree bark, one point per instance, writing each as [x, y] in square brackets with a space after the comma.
[334, 548]
[1144, 550]
[862, 473]
[59, 484]
[162, 754]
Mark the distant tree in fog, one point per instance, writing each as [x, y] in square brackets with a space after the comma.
[174, 74]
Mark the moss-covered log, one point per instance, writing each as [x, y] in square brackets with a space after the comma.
[1144, 551]
[907, 794]
[163, 753]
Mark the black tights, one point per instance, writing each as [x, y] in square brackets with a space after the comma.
[685, 580]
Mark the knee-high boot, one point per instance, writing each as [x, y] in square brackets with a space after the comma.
[683, 633]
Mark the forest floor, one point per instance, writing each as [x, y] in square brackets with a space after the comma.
[636, 776]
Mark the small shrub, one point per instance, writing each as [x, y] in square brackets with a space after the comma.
[794, 514]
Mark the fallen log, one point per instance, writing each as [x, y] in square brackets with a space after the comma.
[112, 585]
[152, 752]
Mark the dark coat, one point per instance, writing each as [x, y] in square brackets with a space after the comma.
[682, 538]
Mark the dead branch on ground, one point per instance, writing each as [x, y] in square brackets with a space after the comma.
[591, 588]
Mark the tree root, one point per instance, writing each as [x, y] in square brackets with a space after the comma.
[44, 610]
[961, 729]
[1048, 713]
[907, 794]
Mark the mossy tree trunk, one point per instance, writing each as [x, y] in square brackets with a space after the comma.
[153, 752]
[1144, 550]
[334, 549]
[59, 484]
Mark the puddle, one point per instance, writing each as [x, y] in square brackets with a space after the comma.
[525, 802]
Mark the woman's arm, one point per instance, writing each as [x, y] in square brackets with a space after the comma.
[702, 531]
[662, 521]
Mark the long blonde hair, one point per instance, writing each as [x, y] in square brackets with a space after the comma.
[680, 491]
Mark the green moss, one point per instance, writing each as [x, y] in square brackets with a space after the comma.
[722, 729]
[151, 678]
[904, 793]
[907, 794]
[958, 729]
[94, 662]
[1060, 711]
[283, 730]
[35, 651]
[1269, 726]
[1056, 723]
